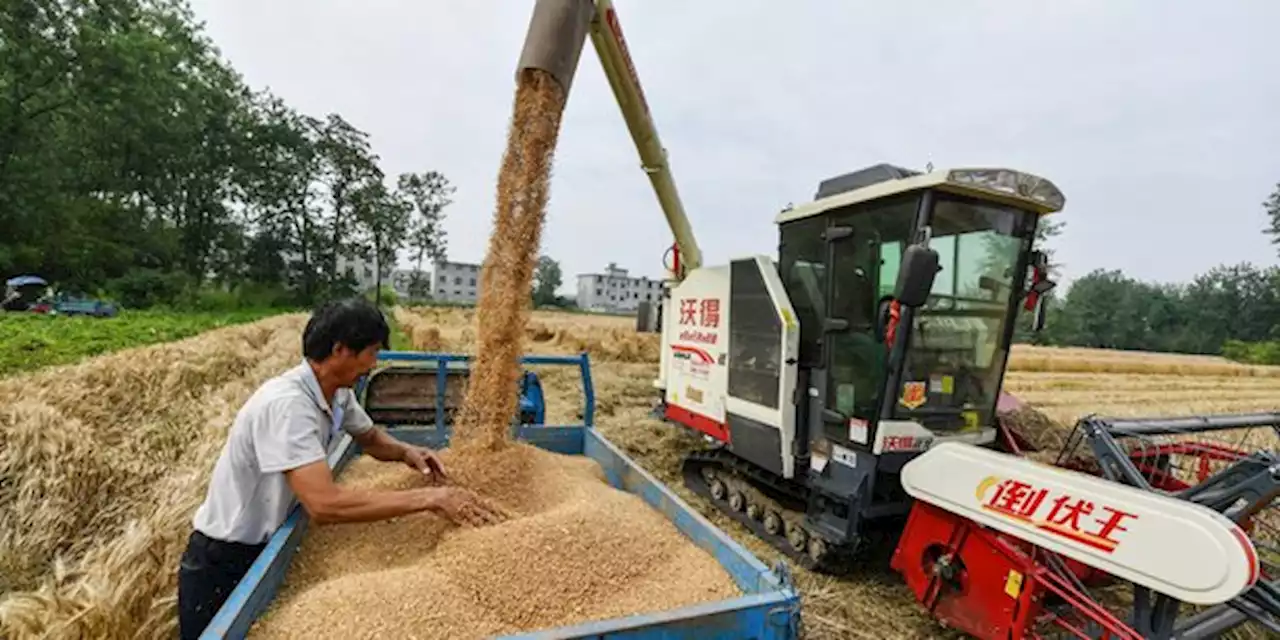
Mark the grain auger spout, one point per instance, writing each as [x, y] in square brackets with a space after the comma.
[557, 32]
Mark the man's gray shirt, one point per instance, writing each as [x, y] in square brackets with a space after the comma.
[286, 424]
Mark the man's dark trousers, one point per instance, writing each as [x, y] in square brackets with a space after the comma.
[208, 574]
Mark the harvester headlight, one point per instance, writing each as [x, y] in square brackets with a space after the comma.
[1016, 183]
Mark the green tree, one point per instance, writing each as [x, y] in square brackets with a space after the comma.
[383, 218]
[546, 279]
[429, 193]
[1271, 206]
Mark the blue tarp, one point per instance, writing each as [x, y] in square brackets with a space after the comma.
[22, 281]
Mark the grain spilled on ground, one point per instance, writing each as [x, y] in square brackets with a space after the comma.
[505, 279]
[573, 550]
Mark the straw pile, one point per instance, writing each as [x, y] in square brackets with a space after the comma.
[507, 273]
[101, 466]
[573, 550]
[605, 338]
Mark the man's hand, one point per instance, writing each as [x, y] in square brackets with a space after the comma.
[460, 506]
[424, 460]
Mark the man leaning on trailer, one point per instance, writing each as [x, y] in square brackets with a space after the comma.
[277, 451]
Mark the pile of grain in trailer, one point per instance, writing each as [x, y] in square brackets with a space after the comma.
[103, 463]
[572, 549]
[505, 278]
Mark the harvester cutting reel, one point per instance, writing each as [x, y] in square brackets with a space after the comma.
[1155, 530]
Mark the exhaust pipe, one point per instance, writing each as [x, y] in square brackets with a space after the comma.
[557, 32]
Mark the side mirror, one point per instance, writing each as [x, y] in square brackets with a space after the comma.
[1041, 285]
[1041, 315]
[915, 278]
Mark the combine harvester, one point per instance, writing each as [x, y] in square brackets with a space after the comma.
[851, 388]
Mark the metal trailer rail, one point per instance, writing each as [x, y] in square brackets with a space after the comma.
[769, 608]
[1231, 478]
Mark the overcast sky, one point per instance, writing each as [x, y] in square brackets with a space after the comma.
[1158, 119]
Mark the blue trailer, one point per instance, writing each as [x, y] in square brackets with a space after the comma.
[415, 397]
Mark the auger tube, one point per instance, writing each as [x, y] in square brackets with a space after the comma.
[557, 32]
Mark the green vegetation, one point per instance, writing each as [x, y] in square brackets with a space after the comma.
[1230, 310]
[1267, 352]
[1219, 312]
[135, 163]
[29, 341]
[399, 339]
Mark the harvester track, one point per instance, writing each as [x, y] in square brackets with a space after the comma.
[773, 511]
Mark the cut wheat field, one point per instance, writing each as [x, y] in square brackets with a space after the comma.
[103, 462]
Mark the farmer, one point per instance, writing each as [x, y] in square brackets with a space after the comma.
[276, 451]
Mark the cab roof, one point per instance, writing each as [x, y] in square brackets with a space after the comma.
[1005, 186]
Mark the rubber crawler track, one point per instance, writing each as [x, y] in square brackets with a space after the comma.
[833, 559]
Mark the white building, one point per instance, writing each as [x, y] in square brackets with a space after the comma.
[455, 282]
[615, 291]
[358, 268]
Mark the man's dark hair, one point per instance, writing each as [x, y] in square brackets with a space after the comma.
[354, 322]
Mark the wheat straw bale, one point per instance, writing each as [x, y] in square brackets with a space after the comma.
[101, 466]
[572, 550]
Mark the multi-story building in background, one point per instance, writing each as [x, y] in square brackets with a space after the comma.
[615, 291]
[443, 281]
[455, 282]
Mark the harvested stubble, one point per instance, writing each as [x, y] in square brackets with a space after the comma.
[1082, 360]
[573, 549]
[101, 466]
[605, 338]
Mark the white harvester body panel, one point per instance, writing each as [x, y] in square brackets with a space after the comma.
[703, 349]
[1173, 546]
[695, 342]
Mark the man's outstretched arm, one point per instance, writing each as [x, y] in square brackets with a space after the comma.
[326, 502]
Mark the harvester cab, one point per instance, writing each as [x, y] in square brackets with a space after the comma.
[883, 328]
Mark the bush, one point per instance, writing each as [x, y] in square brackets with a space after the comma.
[246, 296]
[1252, 352]
[389, 296]
[146, 288]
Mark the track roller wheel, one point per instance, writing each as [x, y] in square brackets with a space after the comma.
[755, 512]
[798, 537]
[718, 489]
[773, 523]
[817, 548]
[737, 501]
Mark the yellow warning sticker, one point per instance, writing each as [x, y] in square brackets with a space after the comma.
[787, 320]
[1013, 584]
[970, 420]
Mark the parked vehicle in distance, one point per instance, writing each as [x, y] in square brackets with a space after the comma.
[26, 293]
[33, 294]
